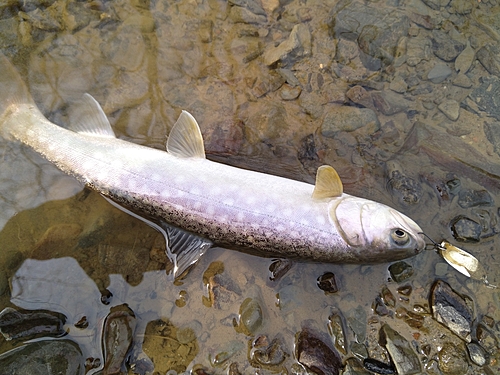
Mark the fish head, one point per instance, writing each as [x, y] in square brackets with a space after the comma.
[375, 232]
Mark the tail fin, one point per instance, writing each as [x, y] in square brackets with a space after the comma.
[13, 91]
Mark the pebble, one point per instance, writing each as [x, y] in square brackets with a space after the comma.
[452, 360]
[357, 94]
[402, 355]
[243, 15]
[327, 283]
[27, 325]
[450, 309]
[298, 44]
[378, 367]
[336, 328]
[485, 96]
[418, 49]
[400, 271]
[465, 229]
[278, 268]
[464, 61]
[389, 103]
[399, 85]
[450, 108]
[288, 92]
[250, 316]
[489, 56]
[445, 47]
[348, 119]
[46, 357]
[439, 73]
[476, 353]
[461, 80]
[271, 355]
[473, 198]
[315, 355]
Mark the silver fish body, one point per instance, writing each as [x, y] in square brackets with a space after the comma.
[230, 206]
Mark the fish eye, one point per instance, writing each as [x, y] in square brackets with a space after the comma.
[400, 237]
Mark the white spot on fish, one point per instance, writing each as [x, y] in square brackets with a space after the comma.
[195, 191]
[197, 205]
[320, 220]
[211, 210]
[287, 212]
[270, 207]
[250, 200]
[179, 179]
[240, 216]
[228, 201]
[280, 228]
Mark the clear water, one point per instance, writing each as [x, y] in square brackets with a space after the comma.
[62, 246]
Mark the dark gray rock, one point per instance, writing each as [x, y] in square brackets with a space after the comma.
[465, 229]
[477, 354]
[487, 96]
[445, 47]
[389, 102]
[376, 29]
[402, 354]
[436, 4]
[315, 355]
[450, 309]
[378, 367]
[348, 119]
[47, 357]
[28, 324]
[327, 283]
[489, 56]
[473, 198]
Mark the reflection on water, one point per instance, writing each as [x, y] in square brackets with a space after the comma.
[400, 98]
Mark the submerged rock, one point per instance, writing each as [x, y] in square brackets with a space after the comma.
[46, 357]
[450, 309]
[465, 229]
[268, 355]
[486, 95]
[297, 45]
[348, 119]
[403, 357]
[327, 283]
[315, 355]
[400, 271]
[250, 316]
[452, 359]
[378, 367]
[28, 324]
[117, 338]
[336, 328]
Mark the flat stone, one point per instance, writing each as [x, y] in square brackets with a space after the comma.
[46, 357]
[465, 229]
[450, 309]
[348, 119]
[474, 198]
[418, 48]
[239, 14]
[399, 85]
[461, 80]
[489, 56]
[288, 92]
[436, 4]
[452, 360]
[445, 47]
[450, 108]
[487, 96]
[389, 102]
[400, 350]
[439, 73]
[298, 44]
[464, 61]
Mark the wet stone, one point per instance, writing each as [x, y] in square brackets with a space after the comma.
[400, 271]
[29, 324]
[489, 56]
[445, 47]
[436, 4]
[450, 309]
[348, 119]
[380, 308]
[357, 94]
[117, 338]
[336, 328]
[389, 102]
[451, 109]
[473, 198]
[378, 367]
[315, 355]
[268, 355]
[327, 283]
[290, 93]
[464, 61]
[402, 354]
[487, 339]
[243, 15]
[461, 80]
[297, 45]
[439, 73]
[487, 96]
[452, 360]
[354, 366]
[279, 268]
[476, 353]
[465, 229]
[61, 357]
[250, 316]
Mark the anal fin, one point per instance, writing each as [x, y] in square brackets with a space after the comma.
[183, 248]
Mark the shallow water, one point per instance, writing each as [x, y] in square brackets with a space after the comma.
[270, 107]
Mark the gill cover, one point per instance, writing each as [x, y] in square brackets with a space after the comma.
[365, 223]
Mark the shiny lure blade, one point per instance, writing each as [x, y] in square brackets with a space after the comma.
[463, 262]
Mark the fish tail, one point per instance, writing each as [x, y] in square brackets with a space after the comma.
[13, 93]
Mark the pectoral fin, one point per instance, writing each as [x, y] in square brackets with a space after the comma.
[328, 183]
[185, 139]
[183, 248]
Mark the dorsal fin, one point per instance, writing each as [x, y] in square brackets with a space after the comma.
[328, 183]
[87, 117]
[185, 139]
